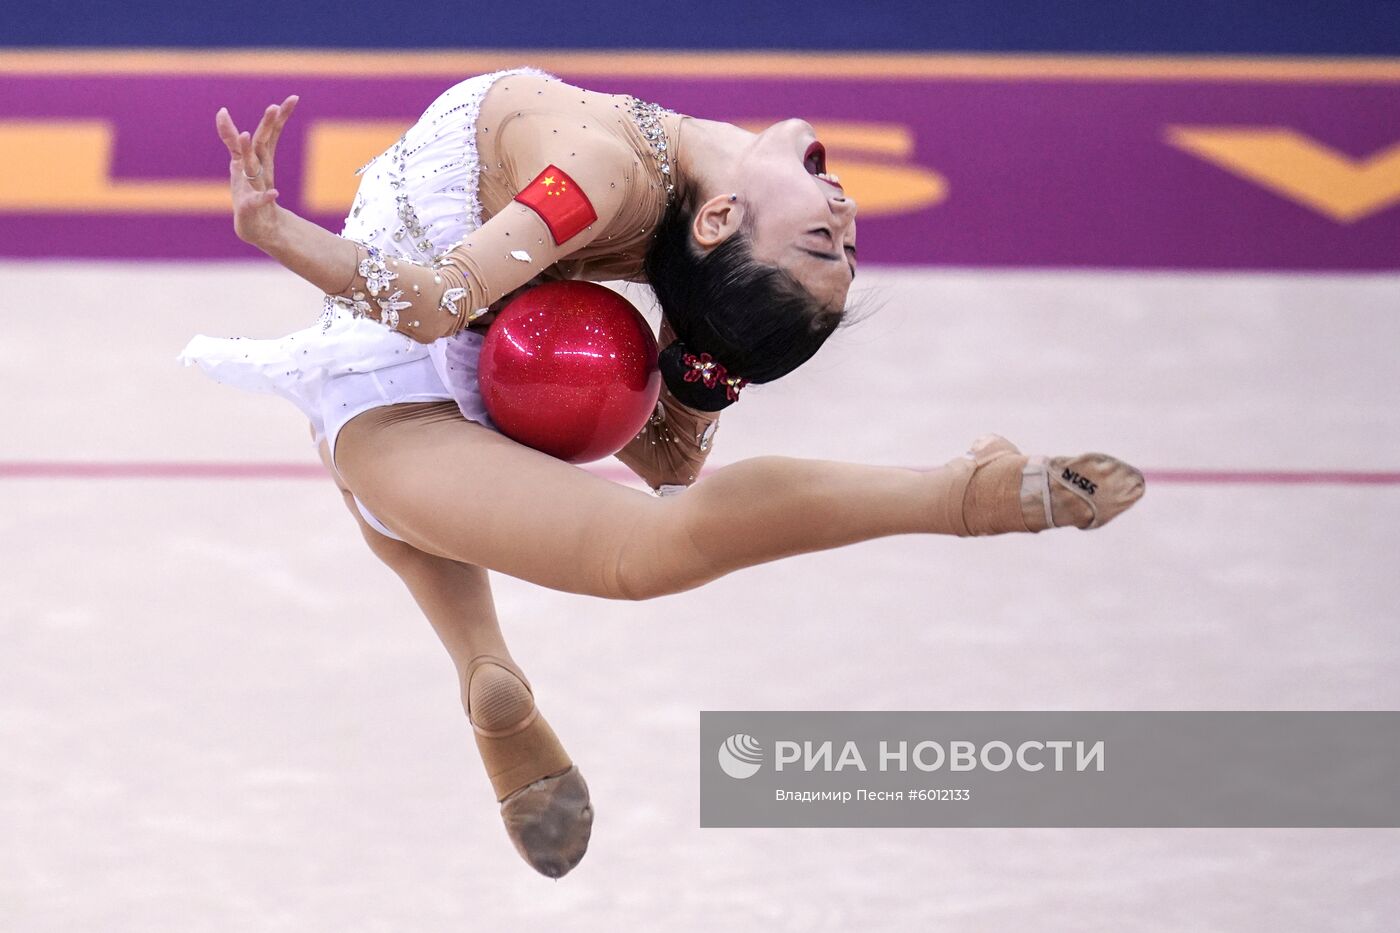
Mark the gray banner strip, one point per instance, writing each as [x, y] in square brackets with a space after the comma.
[1050, 769]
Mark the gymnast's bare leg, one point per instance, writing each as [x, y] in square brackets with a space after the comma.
[454, 488]
[544, 800]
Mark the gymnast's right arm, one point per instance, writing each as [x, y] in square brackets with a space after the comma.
[423, 302]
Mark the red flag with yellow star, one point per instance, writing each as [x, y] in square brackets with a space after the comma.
[560, 202]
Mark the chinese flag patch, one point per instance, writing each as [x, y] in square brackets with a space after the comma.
[560, 202]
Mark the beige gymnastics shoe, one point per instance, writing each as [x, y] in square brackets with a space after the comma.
[544, 800]
[996, 489]
[550, 822]
[1084, 491]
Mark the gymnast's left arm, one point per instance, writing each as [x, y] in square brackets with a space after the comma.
[673, 445]
[552, 217]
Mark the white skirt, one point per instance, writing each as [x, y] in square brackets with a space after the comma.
[414, 201]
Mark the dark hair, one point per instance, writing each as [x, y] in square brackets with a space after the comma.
[754, 319]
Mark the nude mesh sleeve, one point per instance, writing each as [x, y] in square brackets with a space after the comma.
[429, 301]
[672, 447]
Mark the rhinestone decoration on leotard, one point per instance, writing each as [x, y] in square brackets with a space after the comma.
[647, 116]
[394, 163]
[333, 304]
[450, 299]
[390, 307]
[705, 437]
[376, 274]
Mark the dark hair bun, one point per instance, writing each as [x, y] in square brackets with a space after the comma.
[694, 394]
[753, 318]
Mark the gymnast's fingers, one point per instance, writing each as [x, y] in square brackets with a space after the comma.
[267, 148]
[252, 167]
[228, 132]
[284, 114]
[265, 130]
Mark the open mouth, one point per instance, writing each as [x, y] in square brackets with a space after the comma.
[814, 160]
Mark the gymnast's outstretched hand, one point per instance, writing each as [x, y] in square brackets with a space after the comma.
[422, 301]
[250, 171]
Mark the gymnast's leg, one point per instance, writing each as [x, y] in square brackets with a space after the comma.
[455, 488]
[544, 800]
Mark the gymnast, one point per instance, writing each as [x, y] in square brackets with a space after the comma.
[749, 245]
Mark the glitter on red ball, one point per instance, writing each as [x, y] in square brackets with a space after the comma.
[569, 368]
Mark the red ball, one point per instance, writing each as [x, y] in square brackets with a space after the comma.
[569, 368]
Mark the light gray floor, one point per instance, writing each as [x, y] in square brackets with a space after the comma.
[217, 712]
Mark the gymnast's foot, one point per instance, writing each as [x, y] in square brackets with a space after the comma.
[998, 489]
[544, 800]
[550, 822]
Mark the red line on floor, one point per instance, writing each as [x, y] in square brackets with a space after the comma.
[160, 469]
[1275, 477]
[173, 469]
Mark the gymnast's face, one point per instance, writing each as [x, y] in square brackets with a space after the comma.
[799, 217]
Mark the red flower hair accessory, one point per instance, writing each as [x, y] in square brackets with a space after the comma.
[704, 368]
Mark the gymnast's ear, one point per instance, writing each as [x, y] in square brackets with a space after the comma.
[717, 220]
